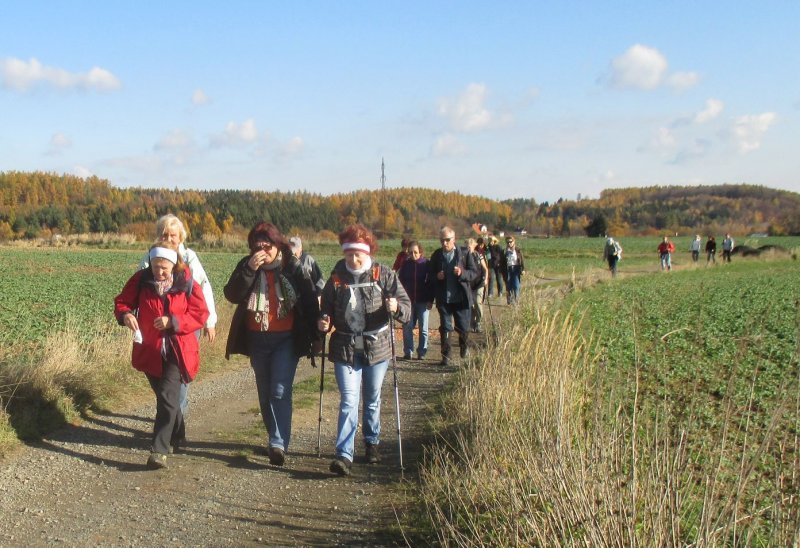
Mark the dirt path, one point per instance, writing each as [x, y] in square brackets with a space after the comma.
[87, 484]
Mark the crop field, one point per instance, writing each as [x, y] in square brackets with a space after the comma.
[713, 354]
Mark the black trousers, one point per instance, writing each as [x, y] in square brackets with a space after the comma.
[169, 425]
[448, 312]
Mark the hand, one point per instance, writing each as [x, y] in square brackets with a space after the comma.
[130, 322]
[257, 259]
[457, 270]
[162, 323]
[392, 302]
[211, 333]
[324, 323]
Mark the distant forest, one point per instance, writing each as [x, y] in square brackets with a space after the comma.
[38, 204]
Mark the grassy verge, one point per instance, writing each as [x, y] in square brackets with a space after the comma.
[553, 442]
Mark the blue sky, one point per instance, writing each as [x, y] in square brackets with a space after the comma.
[505, 99]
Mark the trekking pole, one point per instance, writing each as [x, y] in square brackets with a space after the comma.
[321, 389]
[396, 390]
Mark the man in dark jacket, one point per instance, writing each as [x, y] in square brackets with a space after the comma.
[451, 273]
[495, 254]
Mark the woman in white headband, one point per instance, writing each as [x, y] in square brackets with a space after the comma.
[164, 308]
[355, 301]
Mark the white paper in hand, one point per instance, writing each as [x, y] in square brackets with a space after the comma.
[137, 336]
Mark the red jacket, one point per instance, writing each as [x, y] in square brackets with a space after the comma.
[187, 311]
[666, 247]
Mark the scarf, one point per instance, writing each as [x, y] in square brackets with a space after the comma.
[258, 301]
[164, 285]
[365, 267]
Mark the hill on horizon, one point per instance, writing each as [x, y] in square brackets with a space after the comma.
[38, 204]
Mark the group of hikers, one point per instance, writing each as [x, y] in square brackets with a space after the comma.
[612, 251]
[285, 310]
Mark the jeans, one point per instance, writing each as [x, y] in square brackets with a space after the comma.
[612, 264]
[419, 315]
[448, 312]
[354, 380]
[513, 283]
[695, 256]
[169, 424]
[666, 261]
[274, 363]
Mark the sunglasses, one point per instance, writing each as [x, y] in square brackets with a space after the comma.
[445, 240]
[265, 246]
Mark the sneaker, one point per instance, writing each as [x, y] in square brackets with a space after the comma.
[341, 466]
[373, 454]
[157, 461]
[276, 456]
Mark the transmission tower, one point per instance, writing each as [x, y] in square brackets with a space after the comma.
[383, 191]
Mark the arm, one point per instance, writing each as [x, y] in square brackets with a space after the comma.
[195, 316]
[394, 289]
[127, 302]
[470, 271]
[199, 275]
[238, 287]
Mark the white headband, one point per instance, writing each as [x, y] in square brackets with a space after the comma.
[164, 253]
[359, 246]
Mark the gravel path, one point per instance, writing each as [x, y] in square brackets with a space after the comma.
[88, 485]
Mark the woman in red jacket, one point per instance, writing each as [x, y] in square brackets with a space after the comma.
[163, 307]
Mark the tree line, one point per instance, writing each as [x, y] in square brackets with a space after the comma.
[40, 204]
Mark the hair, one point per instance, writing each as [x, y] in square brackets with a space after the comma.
[415, 243]
[471, 241]
[480, 240]
[167, 222]
[359, 233]
[447, 230]
[180, 266]
[263, 230]
[405, 243]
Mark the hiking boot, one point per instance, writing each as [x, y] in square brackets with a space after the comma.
[341, 466]
[407, 357]
[445, 361]
[464, 352]
[276, 456]
[373, 454]
[157, 461]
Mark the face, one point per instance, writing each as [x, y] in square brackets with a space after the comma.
[268, 248]
[469, 246]
[448, 242]
[355, 259]
[172, 235]
[510, 243]
[162, 268]
[414, 252]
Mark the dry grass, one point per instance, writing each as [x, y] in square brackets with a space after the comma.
[538, 455]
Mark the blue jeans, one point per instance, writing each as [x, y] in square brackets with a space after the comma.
[419, 314]
[274, 363]
[666, 261]
[449, 313]
[355, 380]
[512, 284]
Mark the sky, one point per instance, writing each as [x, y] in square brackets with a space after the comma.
[530, 99]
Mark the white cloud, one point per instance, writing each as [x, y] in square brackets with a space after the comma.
[467, 113]
[58, 143]
[21, 76]
[200, 98]
[82, 171]
[178, 146]
[749, 130]
[447, 145]
[236, 135]
[640, 67]
[713, 109]
[296, 145]
[680, 81]
[643, 67]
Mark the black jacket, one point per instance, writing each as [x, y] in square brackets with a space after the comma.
[306, 309]
[469, 271]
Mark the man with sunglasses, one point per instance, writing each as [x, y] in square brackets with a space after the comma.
[451, 273]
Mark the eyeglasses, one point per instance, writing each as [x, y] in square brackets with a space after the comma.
[445, 240]
[266, 246]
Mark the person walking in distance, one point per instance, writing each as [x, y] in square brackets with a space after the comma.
[612, 253]
[356, 301]
[665, 251]
[694, 247]
[711, 250]
[495, 262]
[513, 267]
[727, 248]
[451, 273]
[478, 286]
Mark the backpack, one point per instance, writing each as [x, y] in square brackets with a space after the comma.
[478, 282]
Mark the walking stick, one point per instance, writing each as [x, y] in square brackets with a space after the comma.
[321, 389]
[396, 390]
